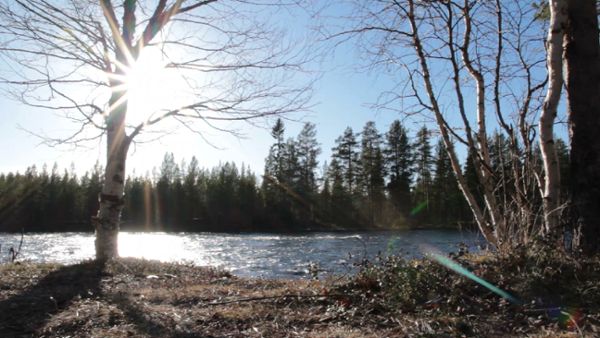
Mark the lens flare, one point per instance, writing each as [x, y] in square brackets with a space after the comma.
[418, 208]
[454, 266]
[569, 318]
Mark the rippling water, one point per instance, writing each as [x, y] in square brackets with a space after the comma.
[256, 255]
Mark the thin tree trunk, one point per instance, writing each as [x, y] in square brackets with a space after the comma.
[483, 162]
[583, 89]
[487, 230]
[551, 184]
[107, 221]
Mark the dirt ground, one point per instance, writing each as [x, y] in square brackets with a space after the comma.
[136, 298]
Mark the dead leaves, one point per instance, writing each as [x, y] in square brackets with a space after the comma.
[397, 299]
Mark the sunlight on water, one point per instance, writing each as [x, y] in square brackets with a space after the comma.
[253, 255]
[158, 246]
[60, 248]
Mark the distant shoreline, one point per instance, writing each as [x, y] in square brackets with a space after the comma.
[290, 232]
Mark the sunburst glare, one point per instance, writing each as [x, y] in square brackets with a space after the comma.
[149, 86]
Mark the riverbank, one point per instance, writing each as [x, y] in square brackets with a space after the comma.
[248, 255]
[393, 297]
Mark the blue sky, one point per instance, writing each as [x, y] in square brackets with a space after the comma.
[342, 98]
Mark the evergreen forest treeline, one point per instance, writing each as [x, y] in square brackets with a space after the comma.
[372, 181]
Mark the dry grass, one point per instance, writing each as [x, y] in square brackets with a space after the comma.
[136, 298]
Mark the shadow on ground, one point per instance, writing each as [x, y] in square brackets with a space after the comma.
[31, 312]
[150, 327]
[23, 314]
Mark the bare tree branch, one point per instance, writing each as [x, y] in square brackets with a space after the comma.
[494, 62]
[229, 60]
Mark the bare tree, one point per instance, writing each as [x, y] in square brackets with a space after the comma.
[466, 66]
[76, 57]
[556, 32]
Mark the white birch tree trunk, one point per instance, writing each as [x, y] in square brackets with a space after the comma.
[487, 229]
[95, 55]
[107, 222]
[551, 183]
[482, 161]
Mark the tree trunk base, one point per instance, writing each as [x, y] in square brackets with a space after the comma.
[106, 239]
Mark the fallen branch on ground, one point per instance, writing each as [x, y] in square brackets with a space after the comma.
[256, 299]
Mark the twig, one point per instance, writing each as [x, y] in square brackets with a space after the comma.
[13, 253]
[358, 238]
[20, 243]
[254, 299]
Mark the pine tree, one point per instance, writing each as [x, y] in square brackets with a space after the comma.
[447, 199]
[342, 210]
[247, 198]
[278, 149]
[133, 211]
[166, 200]
[324, 202]
[280, 177]
[501, 162]
[274, 164]
[220, 196]
[471, 177]
[91, 190]
[347, 157]
[193, 205]
[291, 165]
[399, 164]
[307, 151]
[423, 168]
[372, 171]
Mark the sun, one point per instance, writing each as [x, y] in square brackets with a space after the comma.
[152, 87]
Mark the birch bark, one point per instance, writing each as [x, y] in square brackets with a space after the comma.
[482, 162]
[486, 228]
[551, 184]
[106, 223]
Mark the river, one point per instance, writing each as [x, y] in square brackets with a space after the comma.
[249, 255]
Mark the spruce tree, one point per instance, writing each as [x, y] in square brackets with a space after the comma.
[274, 164]
[192, 202]
[167, 175]
[324, 201]
[471, 177]
[278, 148]
[342, 210]
[308, 150]
[280, 177]
[347, 157]
[447, 199]
[372, 171]
[399, 159]
[423, 169]
[501, 161]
